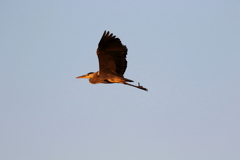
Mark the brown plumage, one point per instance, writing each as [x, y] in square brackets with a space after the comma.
[112, 62]
[112, 54]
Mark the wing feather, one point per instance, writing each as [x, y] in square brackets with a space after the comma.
[111, 55]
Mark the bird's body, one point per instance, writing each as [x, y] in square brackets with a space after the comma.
[96, 77]
[112, 62]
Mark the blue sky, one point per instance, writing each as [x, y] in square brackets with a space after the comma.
[185, 52]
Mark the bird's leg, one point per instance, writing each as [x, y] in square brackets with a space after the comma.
[140, 87]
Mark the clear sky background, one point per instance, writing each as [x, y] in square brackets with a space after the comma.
[186, 52]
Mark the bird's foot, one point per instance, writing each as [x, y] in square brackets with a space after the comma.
[141, 87]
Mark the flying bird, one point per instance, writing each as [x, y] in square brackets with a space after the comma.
[112, 62]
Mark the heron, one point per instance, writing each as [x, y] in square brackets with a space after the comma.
[112, 62]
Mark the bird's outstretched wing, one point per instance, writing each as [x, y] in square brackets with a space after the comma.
[111, 55]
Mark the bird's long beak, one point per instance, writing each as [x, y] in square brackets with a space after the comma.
[84, 76]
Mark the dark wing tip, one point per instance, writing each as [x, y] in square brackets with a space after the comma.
[109, 40]
[107, 33]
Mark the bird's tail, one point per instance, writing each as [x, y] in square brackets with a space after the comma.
[128, 80]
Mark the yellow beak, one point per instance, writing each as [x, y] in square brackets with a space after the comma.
[84, 76]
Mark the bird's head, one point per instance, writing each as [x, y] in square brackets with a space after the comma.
[89, 75]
